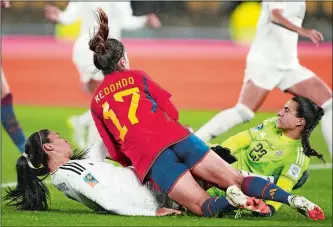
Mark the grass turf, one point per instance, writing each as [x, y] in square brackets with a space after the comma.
[65, 212]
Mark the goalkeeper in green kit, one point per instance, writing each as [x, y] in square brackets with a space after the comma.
[278, 147]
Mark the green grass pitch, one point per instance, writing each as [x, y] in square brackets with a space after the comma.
[65, 212]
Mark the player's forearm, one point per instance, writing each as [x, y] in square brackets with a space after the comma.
[69, 15]
[133, 22]
[127, 209]
[98, 151]
[280, 20]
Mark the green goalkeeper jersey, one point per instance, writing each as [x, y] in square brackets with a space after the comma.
[265, 150]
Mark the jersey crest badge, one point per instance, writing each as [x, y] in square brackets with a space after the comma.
[262, 135]
[294, 171]
[90, 179]
[258, 128]
[279, 153]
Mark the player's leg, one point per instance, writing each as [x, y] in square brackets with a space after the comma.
[253, 93]
[172, 177]
[207, 165]
[8, 118]
[303, 82]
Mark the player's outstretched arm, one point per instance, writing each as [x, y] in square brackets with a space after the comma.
[278, 19]
[98, 152]
[131, 22]
[66, 17]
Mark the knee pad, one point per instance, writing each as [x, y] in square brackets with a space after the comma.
[244, 112]
[327, 106]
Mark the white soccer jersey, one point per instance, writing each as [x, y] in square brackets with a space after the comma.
[120, 17]
[102, 186]
[274, 45]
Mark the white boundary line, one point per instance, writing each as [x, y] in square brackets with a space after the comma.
[313, 166]
[321, 166]
[12, 184]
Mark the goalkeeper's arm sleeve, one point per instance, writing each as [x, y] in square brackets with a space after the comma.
[239, 141]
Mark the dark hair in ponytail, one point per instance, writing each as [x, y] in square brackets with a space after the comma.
[107, 51]
[312, 114]
[31, 192]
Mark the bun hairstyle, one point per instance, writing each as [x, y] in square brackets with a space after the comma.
[107, 51]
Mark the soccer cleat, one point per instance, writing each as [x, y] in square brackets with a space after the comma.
[307, 208]
[237, 199]
[78, 131]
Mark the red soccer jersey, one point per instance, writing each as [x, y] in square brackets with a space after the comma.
[135, 119]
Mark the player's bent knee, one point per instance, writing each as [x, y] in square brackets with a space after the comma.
[244, 112]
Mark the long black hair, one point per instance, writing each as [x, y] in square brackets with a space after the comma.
[107, 51]
[31, 192]
[312, 114]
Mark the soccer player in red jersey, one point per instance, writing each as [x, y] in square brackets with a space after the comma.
[139, 126]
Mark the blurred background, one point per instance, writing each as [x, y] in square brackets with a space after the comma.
[197, 38]
[198, 55]
[195, 19]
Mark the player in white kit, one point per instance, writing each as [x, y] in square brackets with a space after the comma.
[272, 62]
[120, 18]
[87, 178]
[82, 176]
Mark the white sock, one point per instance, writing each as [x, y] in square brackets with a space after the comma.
[93, 134]
[326, 124]
[225, 120]
[219, 124]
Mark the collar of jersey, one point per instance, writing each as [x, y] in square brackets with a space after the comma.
[290, 140]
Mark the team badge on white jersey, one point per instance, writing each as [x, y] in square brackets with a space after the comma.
[90, 179]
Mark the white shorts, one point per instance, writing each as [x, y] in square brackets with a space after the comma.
[83, 59]
[269, 77]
